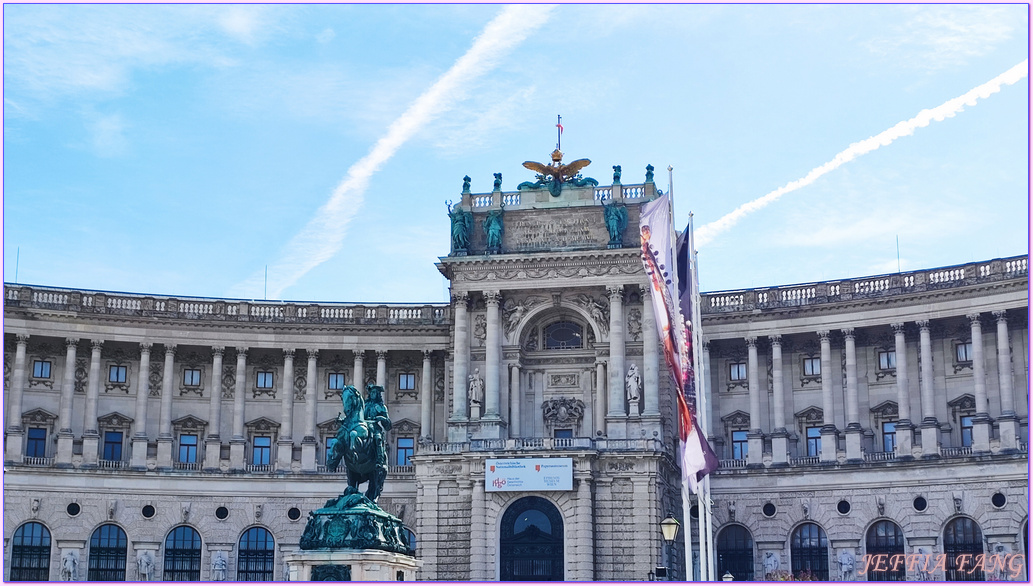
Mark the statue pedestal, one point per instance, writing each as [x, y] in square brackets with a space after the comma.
[356, 565]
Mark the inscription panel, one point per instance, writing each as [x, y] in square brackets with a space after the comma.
[530, 234]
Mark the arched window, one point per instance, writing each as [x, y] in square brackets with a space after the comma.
[563, 335]
[182, 555]
[962, 537]
[809, 549]
[531, 543]
[30, 553]
[107, 555]
[735, 553]
[885, 539]
[255, 556]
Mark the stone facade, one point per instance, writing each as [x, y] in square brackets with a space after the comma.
[152, 413]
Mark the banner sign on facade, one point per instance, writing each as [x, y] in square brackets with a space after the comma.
[528, 474]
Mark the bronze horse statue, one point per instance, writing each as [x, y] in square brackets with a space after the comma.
[361, 442]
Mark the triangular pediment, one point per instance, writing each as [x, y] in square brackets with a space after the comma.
[189, 422]
[965, 402]
[329, 427]
[811, 414]
[405, 426]
[114, 419]
[737, 418]
[39, 416]
[886, 409]
[262, 424]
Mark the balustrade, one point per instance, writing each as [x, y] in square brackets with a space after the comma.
[603, 193]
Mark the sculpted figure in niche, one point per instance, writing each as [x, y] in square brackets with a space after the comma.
[616, 217]
[219, 567]
[633, 383]
[771, 563]
[493, 229]
[69, 565]
[476, 387]
[846, 565]
[145, 565]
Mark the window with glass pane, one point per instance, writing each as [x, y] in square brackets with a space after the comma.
[563, 433]
[886, 539]
[406, 381]
[192, 377]
[36, 443]
[963, 352]
[562, 335]
[809, 549]
[113, 445]
[737, 371]
[265, 380]
[740, 446]
[108, 547]
[330, 441]
[182, 556]
[335, 381]
[117, 374]
[811, 366]
[41, 369]
[404, 451]
[962, 537]
[889, 436]
[188, 448]
[30, 553]
[813, 441]
[887, 359]
[966, 430]
[255, 556]
[261, 450]
[735, 553]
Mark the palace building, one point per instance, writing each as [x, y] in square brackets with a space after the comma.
[156, 437]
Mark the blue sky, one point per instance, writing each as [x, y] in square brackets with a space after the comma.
[181, 149]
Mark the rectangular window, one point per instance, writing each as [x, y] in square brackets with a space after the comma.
[406, 448]
[813, 441]
[889, 436]
[117, 374]
[41, 369]
[740, 445]
[265, 380]
[966, 431]
[188, 448]
[262, 450]
[406, 381]
[812, 366]
[563, 433]
[335, 382]
[192, 377]
[887, 359]
[963, 352]
[36, 443]
[113, 445]
[330, 441]
[737, 371]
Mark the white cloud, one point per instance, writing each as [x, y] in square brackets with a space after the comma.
[107, 135]
[245, 23]
[326, 35]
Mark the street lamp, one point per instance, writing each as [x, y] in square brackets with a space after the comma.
[728, 577]
[669, 530]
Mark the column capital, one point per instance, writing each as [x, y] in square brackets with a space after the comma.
[313, 353]
[144, 346]
[973, 318]
[492, 297]
[775, 339]
[706, 344]
[381, 354]
[1001, 316]
[460, 298]
[288, 353]
[22, 338]
[751, 341]
[427, 354]
[848, 332]
[615, 292]
[242, 352]
[96, 345]
[923, 324]
[70, 342]
[823, 335]
[898, 328]
[218, 351]
[170, 349]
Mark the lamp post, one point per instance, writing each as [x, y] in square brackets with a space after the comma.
[669, 530]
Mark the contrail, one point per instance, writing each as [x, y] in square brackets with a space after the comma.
[324, 234]
[948, 109]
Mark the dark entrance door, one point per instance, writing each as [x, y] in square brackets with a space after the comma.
[531, 544]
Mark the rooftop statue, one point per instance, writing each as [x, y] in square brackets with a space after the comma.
[498, 182]
[555, 175]
[616, 217]
[616, 173]
[462, 221]
[493, 229]
[649, 173]
[466, 184]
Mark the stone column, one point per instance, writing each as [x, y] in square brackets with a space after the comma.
[616, 416]
[90, 436]
[755, 437]
[516, 395]
[426, 400]
[829, 433]
[854, 431]
[599, 420]
[780, 436]
[478, 539]
[308, 441]
[165, 422]
[15, 433]
[143, 392]
[65, 437]
[461, 368]
[492, 352]
[381, 369]
[650, 358]
[238, 441]
[930, 429]
[905, 431]
[1008, 422]
[584, 547]
[213, 443]
[981, 421]
[285, 443]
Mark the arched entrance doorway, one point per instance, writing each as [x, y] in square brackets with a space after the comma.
[531, 544]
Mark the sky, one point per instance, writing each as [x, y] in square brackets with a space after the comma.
[192, 150]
